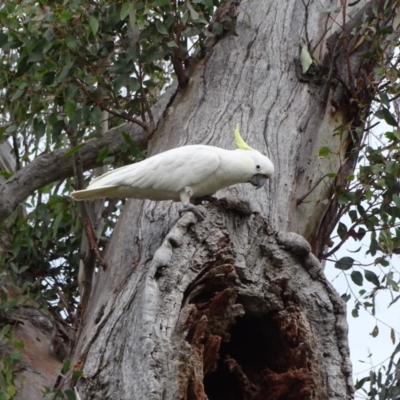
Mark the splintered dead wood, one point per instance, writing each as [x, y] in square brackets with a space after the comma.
[226, 308]
[260, 358]
[243, 351]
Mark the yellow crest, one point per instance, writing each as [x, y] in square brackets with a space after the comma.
[240, 143]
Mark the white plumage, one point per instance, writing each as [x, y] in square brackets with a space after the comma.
[183, 174]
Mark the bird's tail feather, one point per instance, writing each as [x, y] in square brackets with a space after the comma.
[92, 194]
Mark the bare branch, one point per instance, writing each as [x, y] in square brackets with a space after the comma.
[56, 166]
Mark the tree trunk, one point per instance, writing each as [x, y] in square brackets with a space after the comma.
[231, 307]
[222, 309]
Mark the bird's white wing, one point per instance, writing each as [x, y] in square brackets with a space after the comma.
[170, 171]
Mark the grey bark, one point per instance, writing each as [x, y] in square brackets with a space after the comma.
[234, 306]
[221, 308]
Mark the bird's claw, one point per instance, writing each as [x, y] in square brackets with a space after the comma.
[210, 199]
[193, 209]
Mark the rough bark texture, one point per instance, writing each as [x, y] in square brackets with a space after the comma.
[46, 343]
[226, 308]
[232, 307]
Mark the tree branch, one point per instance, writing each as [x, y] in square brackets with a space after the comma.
[356, 21]
[55, 166]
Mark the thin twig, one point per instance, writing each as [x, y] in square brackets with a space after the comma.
[112, 112]
[301, 199]
[93, 241]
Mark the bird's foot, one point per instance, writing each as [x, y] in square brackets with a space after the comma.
[210, 199]
[194, 209]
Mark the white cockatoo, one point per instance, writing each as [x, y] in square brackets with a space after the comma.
[182, 174]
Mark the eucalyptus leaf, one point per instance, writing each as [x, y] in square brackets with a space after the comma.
[357, 278]
[370, 276]
[305, 59]
[345, 263]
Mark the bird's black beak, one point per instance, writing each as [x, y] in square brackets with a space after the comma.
[258, 180]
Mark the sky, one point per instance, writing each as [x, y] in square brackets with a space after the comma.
[366, 352]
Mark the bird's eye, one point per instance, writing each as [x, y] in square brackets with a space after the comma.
[257, 167]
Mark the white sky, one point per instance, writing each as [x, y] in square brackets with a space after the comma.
[367, 352]
[362, 344]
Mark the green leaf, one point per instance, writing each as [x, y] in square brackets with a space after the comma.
[134, 84]
[15, 355]
[3, 39]
[6, 174]
[396, 21]
[64, 72]
[396, 200]
[49, 35]
[359, 383]
[73, 150]
[71, 42]
[392, 336]
[95, 115]
[384, 98]
[357, 278]
[48, 78]
[161, 3]
[353, 215]
[344, 263]
[11, 390]
[94, 24]
[35, 56]
[305, 59]
[120, 81]
[134, 150]
[190, 32]
[172, 44]
[125, 10]
[343, 199]
[161, 28]
[324, 152]
[16, 96]
[65, 15]
[354, 313]
[342, 231]
[109, 160]
[370, 276]
[58, 127]
[194, 15]
[355, 251]
[102, 154]
[394, 300]
[382, 261]
[70, 394]
[375, 331]
[345, 297]
[66, 366]
[16, 246]
[396, 350]
[77, 374]
[385, 114]
[70, 107]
